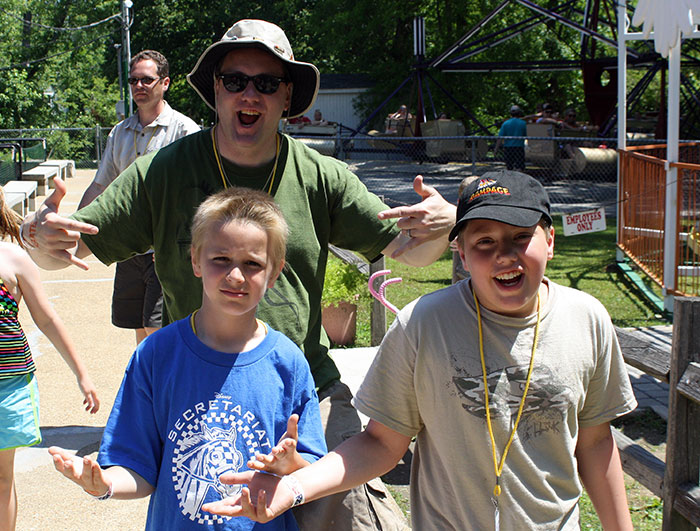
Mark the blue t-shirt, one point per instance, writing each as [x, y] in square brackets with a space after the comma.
[513, 127]
[185, 414]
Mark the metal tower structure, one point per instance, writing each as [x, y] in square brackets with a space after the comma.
[596, 23]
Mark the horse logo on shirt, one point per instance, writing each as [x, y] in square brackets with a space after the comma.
[208, 439]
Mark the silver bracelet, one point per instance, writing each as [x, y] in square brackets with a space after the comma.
[293, 484]
[106, 496]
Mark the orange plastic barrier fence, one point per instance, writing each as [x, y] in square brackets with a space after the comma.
[643, 211]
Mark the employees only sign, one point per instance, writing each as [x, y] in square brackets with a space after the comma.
[584, 222]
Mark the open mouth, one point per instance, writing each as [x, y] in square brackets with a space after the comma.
[509, 279]
[248, 117]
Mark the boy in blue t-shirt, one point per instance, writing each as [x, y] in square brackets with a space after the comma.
[211, 393]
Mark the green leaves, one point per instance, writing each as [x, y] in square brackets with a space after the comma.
[344, 282]
[50, 75]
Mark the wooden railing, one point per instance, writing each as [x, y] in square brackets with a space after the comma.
[675, 481]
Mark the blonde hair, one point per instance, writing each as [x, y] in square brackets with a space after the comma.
[10, 221]
[246, 206]
[465, 182]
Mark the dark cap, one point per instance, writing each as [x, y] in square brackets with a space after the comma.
[515, 110]
[507, 196]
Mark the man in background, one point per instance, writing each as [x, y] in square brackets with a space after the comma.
[137, 301]
[513, 148]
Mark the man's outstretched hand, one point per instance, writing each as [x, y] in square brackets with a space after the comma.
[430, 219]
[53, 235]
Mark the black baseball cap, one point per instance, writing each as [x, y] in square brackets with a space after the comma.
[507, 196]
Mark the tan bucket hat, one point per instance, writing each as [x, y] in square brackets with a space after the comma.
[266, 36]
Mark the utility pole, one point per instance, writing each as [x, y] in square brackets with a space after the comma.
[121, 104]
[126, 47]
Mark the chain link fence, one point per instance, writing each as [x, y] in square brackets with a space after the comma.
[82, 145]
[578, 168]
[578, 171]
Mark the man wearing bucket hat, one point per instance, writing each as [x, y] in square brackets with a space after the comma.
[251, 79]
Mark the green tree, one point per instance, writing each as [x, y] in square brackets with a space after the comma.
[41, 54]
[340, 36]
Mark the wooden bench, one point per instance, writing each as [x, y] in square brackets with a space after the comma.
[66, 168]
[26, 188]
[43, 175]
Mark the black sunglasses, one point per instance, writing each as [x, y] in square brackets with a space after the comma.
[145, 81]
[263, 83]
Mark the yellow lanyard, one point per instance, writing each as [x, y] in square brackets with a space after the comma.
[136, 136]
[498, 466]
[224, 179]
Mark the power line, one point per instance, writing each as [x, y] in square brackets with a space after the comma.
[26, 63]
[78, 28]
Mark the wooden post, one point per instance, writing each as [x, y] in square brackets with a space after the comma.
[683, 431]
[378, 318]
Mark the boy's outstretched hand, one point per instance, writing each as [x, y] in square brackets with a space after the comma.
[283, 459]
[85, 472]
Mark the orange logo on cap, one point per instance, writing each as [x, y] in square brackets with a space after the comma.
[483, 183]
[488, 186]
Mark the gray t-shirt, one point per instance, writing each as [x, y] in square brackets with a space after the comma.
[427, 381]
[129, 140]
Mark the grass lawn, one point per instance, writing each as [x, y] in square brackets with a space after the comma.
[585, 262]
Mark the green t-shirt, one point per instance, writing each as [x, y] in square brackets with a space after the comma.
[151, 204]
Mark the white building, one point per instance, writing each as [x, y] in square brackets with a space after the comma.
[336, 97]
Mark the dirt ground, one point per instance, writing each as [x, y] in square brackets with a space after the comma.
[48, 501]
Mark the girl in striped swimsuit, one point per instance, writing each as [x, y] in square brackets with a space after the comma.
[19, 400]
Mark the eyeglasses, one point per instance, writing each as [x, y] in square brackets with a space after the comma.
[263, 83]
[146, 81]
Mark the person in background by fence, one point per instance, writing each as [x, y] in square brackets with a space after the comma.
[318, 118]
[399, 121]
[548, 115]
[137, 301]
[513, 148]
[251, 79]
[507, 380]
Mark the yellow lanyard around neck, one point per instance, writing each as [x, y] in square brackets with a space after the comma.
[498, 466]
[224, 179]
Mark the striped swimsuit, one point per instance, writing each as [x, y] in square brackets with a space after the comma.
[15, 356]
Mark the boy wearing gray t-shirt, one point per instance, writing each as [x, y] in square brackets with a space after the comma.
[507, 381]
